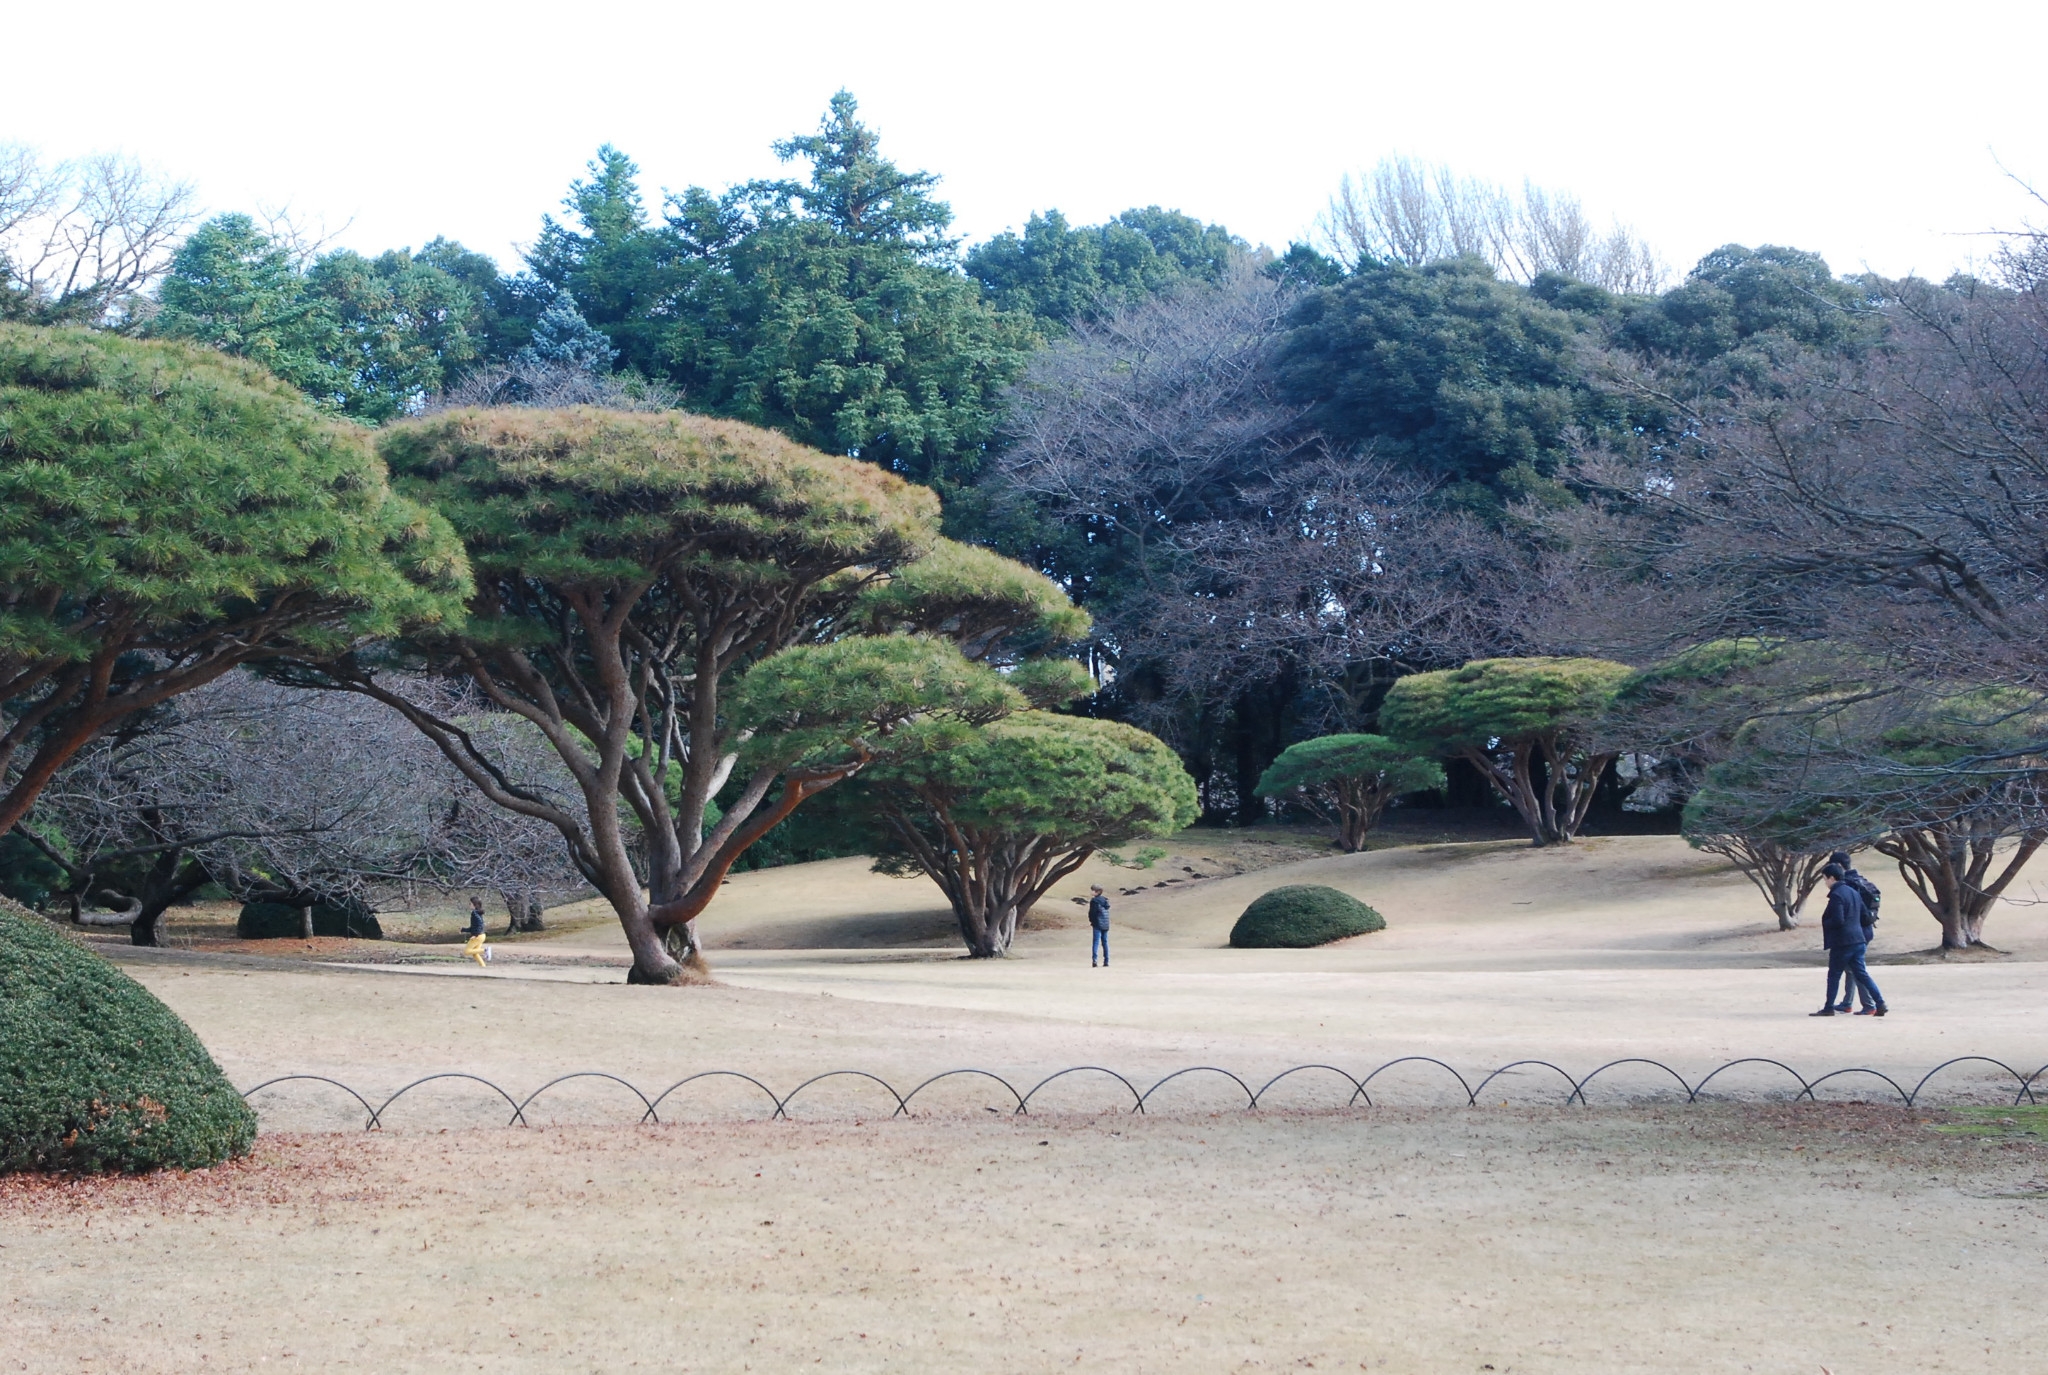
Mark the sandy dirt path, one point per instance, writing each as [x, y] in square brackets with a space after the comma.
[1651, 1240]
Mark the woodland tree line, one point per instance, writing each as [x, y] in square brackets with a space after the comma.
[1470, 477]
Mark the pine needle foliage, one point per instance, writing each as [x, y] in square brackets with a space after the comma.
[167, 513]
[1008, 810]
[1349, 780]
[686, 608]
[1523, 723]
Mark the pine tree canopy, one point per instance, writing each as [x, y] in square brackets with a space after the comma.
[167, 513]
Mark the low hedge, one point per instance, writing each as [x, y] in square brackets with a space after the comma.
[261, 921]
[96, 1074]
[1303, 914]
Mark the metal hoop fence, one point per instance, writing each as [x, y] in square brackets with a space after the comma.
[1574, 1090]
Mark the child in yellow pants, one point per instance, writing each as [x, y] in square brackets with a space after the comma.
[476, 949]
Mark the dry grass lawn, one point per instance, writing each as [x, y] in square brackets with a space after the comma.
[1637, 1235]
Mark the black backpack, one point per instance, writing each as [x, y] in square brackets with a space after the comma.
[1868, 892]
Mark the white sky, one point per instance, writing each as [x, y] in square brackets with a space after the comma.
[1872, 132]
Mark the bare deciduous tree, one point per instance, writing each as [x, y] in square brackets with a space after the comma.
[1409, 211]
[83, 241]
[1236, 543]
[294, 796]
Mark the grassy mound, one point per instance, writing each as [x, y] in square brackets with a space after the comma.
[1303, 914]
[95, 1073]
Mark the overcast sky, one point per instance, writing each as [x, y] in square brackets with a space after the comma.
[1872, 132]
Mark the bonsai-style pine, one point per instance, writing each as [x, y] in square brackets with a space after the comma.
[1523, 723]
[1300, 915]
[681, 607]
[1349, 780]
[96, 1074]
[167, 513]
[999, 814]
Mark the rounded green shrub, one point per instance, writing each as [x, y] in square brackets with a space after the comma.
[1303, 914]
[96, 1074]
[261, 921]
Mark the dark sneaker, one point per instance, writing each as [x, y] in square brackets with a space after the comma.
[1824, 1012]
[1879, 1010]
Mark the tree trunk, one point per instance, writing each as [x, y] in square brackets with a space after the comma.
[305, 921]
[522, 913]
[148, 927]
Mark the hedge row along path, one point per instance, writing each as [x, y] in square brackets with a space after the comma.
[1574, 1089]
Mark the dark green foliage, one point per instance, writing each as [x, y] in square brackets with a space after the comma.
[829, 308]
[26, 873]
[1058, 274]
[1301, 915]
[95, 1073]
[279, 920]
[1469, 378]
[233, 288]
[1737, 295]
[364, 337]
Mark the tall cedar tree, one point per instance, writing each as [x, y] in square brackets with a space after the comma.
[167, 514]
[831, 308]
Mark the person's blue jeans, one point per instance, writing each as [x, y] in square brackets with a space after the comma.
[1099, 942]
[1846, 961]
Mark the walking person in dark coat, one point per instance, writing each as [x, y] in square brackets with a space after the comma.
[1098, 921]
[1842, 931]
[1868, 891]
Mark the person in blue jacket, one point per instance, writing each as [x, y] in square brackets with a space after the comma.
[1098, 921]
[1843, 933]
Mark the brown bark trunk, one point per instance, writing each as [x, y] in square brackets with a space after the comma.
[522, 913]
[305, 921]
[148, 927]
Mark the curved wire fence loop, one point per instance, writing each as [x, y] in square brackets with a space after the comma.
[1356, 1087]
[518, 1117]
[1251, 1100]
[369, 1113]
[902, 1109]
[1905, 1099]
[651, 1107]
[984, 1073]
[1805, 1089]
[662, 1097]
[1137, 1099]
[588, 1074]
[2025, 1081]
[1579, 1092]
[1471, 1097]
[1544, 1064]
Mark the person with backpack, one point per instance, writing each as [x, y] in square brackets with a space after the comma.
[1844, 935]
[1098, 922]
[1868, 891]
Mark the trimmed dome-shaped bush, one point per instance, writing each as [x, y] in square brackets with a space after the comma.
[1303, 914]
[262, 921]
[96, 1074]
